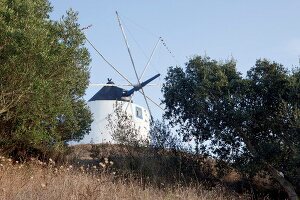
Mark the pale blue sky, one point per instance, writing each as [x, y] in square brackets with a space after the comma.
[246, 30]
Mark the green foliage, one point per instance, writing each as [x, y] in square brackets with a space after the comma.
[252, 123]
[43, 76]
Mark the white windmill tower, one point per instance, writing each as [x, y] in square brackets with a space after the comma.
[104, 102]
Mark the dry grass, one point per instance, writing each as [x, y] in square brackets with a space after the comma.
[38, 180]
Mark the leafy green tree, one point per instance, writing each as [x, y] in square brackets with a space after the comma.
[43, 77]
[252, 123]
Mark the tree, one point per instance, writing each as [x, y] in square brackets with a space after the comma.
[123, 129]
[43, 77]
[252, 123]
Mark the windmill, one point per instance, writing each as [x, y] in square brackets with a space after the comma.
[104, 102]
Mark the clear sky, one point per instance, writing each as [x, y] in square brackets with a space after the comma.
[244, 30]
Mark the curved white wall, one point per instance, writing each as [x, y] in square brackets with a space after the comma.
[101, 109]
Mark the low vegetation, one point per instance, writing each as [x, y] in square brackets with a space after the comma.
[159, 168]
[35, 179]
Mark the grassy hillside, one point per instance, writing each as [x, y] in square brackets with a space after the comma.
[40, 180]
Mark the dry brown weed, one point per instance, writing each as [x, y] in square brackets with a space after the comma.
[40, 180]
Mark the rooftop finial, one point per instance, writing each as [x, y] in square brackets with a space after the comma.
[110, 81]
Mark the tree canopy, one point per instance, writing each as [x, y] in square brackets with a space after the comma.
[43, 76]
[252, 122]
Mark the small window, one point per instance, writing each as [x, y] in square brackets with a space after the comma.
[138, 112]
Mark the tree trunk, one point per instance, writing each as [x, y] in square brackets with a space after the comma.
[288, 187]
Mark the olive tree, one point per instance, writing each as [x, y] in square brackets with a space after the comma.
[43, 76]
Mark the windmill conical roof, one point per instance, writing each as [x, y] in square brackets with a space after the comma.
[110, 93]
